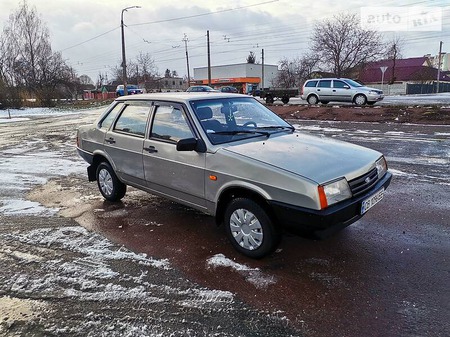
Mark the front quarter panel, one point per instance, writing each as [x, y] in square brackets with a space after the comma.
[233, 170]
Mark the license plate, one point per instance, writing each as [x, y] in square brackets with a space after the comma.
[372, 201]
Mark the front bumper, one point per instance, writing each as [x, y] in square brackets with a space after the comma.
[327, 221]
[375, 98]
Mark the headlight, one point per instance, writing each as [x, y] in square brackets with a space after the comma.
[334, 192]
[381, 167]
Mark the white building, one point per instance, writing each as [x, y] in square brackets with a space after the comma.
[244, 76]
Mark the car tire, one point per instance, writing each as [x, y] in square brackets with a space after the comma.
[250, 229]
[360, 99]
[312, 100]
[109, 185]
[269, 99]
[285, 100]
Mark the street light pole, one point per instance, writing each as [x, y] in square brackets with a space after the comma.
[124, 62]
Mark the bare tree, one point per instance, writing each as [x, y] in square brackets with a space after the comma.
[28, 58]
[251, 58]
[140, 70]
[341, 44]
[393, 52]
[293, 73]
[287, 75]
[86, 80]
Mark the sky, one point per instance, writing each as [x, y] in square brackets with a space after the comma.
[87, 32]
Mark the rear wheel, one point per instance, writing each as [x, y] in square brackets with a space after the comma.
[285, 100]
[109, 185]
[250, 229]
[360, 99]
[312, 100]
[269, 99]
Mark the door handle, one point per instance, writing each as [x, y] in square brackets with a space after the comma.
[110, 140]
[150, 149]
[318, 89]
[334, 90]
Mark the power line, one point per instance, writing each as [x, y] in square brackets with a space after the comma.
[203, 14]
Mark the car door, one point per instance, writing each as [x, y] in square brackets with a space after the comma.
[125, 140]
[324, 90]
[177, 174]
[341, 91]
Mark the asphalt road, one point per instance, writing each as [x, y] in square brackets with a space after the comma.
[386, 275]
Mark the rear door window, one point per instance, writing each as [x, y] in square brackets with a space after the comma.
[133, 120]
[325, 84]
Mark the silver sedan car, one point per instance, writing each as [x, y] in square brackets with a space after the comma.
[229, 156]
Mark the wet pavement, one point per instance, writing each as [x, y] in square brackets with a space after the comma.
[386, 275]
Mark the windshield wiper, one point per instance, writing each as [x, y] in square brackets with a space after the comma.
[276, 127]
[237, 132]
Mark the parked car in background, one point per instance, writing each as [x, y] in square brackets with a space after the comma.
[229, 156]
[229, 89]
[325, 90]
[132, 89]
[201, 88]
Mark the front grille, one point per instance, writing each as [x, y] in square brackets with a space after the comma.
[363, 183]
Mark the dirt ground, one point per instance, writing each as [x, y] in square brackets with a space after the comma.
[438, 115]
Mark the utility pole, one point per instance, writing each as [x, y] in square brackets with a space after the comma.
[124, 61]
[185, 40]
[262, 69]
[439, 67]
[209, 59]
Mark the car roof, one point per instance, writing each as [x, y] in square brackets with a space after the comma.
[180, 97]
[328, 78]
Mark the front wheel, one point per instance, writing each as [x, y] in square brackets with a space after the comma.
[269, 99]
[250, 229]
[285, 99]
[360, 99]
[109, 185]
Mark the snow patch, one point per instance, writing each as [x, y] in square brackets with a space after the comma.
[25, 207]
[251, 275]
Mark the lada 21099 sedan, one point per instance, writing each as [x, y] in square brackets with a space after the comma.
[230, 157]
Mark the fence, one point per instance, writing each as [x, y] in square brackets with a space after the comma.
[414, 89]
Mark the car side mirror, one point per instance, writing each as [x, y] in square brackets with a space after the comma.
[346, 87]
[191, 144]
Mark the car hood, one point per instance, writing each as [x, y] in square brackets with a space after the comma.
[369, 89]
[319, 159]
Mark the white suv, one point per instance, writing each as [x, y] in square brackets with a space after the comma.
[325, 90]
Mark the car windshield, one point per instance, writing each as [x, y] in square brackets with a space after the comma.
[353, 83]
[232, 119]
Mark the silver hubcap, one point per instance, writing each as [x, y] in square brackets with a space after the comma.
[312, 100]
[360, 100]
[105, 182]
[246, 229]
